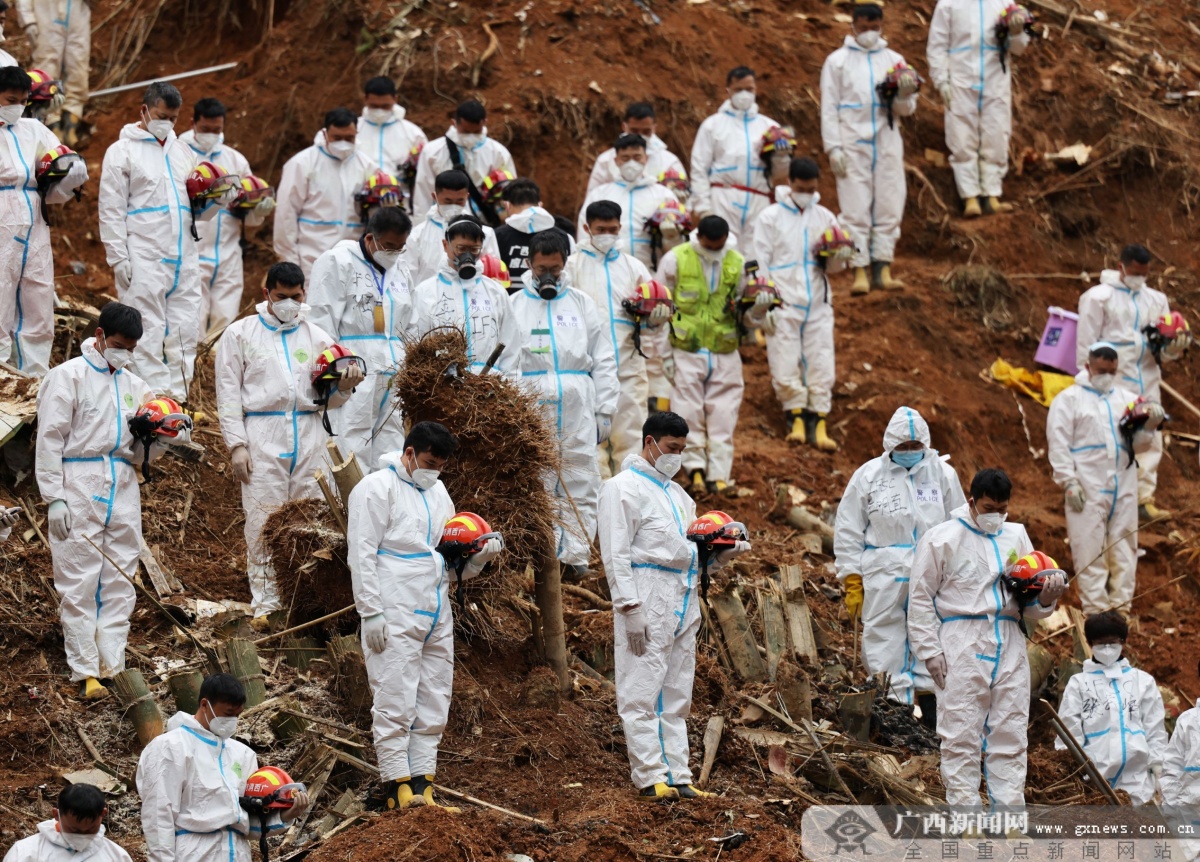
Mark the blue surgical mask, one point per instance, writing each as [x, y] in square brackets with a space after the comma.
[910, 459]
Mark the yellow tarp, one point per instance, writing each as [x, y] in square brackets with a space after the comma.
[1041, 386]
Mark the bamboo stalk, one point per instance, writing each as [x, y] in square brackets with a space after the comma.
[135, 696]
[335, 507]
[346, 472]
[185, 688]
[302, 626]
[548, 589]
[244, 664]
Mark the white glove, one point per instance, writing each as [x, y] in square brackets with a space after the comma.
[908, 86]
[660, 314]
[945, 91]
[727, 555]
[264, 207]
[64, 189]
[1075, 496]
[668, 366]
[491, 549]
[240, 458]
[60, 520]
[839, 163]
[1155, 415]
[637, 631]
[8, 517]
[375, 632]
[182, 438]
[937, 669]
[769, 322]
[603, 427]
[763, 298]
[1054, 587]
[1156, 771]
[351, 377]
[300, 804]
[123, 274]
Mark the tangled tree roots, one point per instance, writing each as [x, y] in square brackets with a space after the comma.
[309, 556]
[986, 292]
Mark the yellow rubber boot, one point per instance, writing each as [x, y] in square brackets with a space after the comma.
[687, 791]
[721, 486]
[92, 689]
[660, 792]
[1147, 511]
[995, 205]
[862, 282]
[261, 624]
[798, 433]
[427, 795]
[886, 281]
[659, 405]
[698, 484]
[822, 439]
[400, 795]
[971, 208]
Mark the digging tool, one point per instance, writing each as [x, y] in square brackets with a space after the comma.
[1079, 754]
[141, 85]
[493, 359]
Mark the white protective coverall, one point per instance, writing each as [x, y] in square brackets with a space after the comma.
[344, 291]
[659, 160]
[27, 264]
[424, 252]
[567, 358]
[515, 234]
[146, 222]
[1116, 713]
[1085, 446]
[394, 527]
[984, 708]
[853, 117]
[962, 52]
[49, 845]
[87, 457]
[883, 514]
[478, 306]
[479, 161]
[800, 353]
[1112, 312]
[220, 249]
[315, 202]
[728, 177]
[64, 46]
[608, 278]
[1181, 776]
[389, 144]
[190, 781]
[638, 201]
[266, 403]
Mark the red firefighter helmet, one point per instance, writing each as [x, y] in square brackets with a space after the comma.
[465, 534]
[1028, 574]
[496, 269]
[902, 73]
[760, 284]
[716, 530]
[56, 163]
[1172, 325]
[272, 788]
[778, 139]
[408, 170]
[646, 297]
[166, 416]
[494, 184]
[209, 181]
[1014, 14]
[834, 242]
[676, 179]
[329, 365]
[380, 189]
[670, 217]
[45, 87]
[253, 190]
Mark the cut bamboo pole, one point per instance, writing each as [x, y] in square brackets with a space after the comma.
[335, 507]
[298, 652]
[244, 664]
[712, 741]
[774, 628]
[135, 696]
[352, 686]
[548, 592]
[286, 724]
[185, 688]
[743, 650]
[346, 473]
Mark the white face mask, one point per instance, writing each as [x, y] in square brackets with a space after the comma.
[868, 40]
[117, 357]
[1134, 282]
[1103, 382]
[160, 128]
[604, 242]
[802, 199]
[285, 310]
[77, 841]
[991, 522]
[223, 726]
[386, 259]
[208, 141]
[9, 114]
[1106, 653]
[742, 100]
[708, 253]
[378, 116]
[631, 170]
[470, 142]
[341, 149]
[668, 465]
[424, 478]
[449, 212]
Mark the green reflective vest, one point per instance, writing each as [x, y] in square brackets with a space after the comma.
[705, 318]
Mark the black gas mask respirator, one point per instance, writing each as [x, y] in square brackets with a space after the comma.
[547, 285]
[465, 264]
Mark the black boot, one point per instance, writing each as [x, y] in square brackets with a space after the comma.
[927, 701]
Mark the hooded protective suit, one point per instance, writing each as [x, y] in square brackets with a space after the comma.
[963, 54]
[608, 278]
[146, 223]
[659, 160]
[853, 118]
[513, 239]
[1116, 713]
[344, 291]
[424, 252]
[266, 403]
[1181, 775]
[1086, 446]
[567, 358]
[478, 160]
[190, 781]
[728, 176]
[315, 202]
[958, 607]
[390, 143]
[800, 352]
[63, 48]
[50, 845]
[1112, 312]
[87, 457]
[220, 249]
[479, 307]
[883, 514]
[394, 527]
[27, 264]
[638, 201]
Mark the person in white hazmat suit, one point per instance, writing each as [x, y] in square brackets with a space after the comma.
[384, 135]
[60, 33]
[728, 175]
[1116, 712]
[269, 418]
[973, 74]
[86, 471]
[360, 294]
[426, 250]
[800, 332]
[192, 777]
[639, 120]
[567, 358]
[461, 296]
[1180, 781]
[146, 227]
[889, 504]
[76, 834]
[396, 518]
[27, 265]
[965, 626]
[1096, 468]
[861, 136]
[465, 147]
[315, 206]
[653, 574]
[220, 249]
[1117, 310]
[609, 276]
[637, 192]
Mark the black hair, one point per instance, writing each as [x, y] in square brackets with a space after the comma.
[160, 91]
[1135, 253]
[867, 11]
[381, 86]
[451, 181]
[223, 688]
[738, 73]
[286, 273]
[713, 227]
[640, 111]
[84, 801]
[340, 117]
[119, 319]
[15, 78]
[630, 142]
[1109, 353]
[993, 484]
[467, 227]
[804, 169]
[389, 220]
[548, 242]
[472, 111]
[522, 191]
[664, 424]
[1105, 625]
[208, 108]
[601, 210]
[431, 437]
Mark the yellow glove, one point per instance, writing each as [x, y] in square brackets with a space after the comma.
[854, 596]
